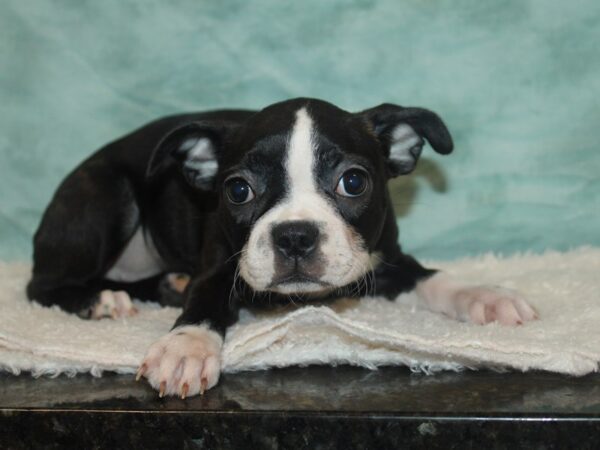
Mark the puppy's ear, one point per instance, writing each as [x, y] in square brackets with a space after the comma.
[402, 132]
[195, 147]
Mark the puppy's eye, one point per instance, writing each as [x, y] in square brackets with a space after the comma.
[352, 183]
[238, 191]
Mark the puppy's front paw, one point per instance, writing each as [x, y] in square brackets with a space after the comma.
[185, 362]
[113, 304]
[485, 304]
[478, 304]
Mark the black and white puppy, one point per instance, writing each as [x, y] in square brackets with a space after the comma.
[287, 203]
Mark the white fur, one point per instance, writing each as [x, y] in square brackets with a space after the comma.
[202, 150]
[344, 252]
[404, 138]
[138, 260]
[186, 355]
[201, 157]
[113, 304]
[477, 304]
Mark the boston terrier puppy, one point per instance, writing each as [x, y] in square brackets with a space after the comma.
[286, 204]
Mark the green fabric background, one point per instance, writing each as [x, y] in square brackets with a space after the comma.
[518, 83]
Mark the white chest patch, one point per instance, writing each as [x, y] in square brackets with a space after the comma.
[138, 260]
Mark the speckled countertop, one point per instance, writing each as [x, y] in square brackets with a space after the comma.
[316, 407]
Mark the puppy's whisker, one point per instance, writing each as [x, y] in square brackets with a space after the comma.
[234, 255]
[363, 285]
[233, 291]
[291, 300]
[357, 286]
[372, 280]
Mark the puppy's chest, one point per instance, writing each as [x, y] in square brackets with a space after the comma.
[138, 260]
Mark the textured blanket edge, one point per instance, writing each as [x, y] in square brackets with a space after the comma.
[563, 286]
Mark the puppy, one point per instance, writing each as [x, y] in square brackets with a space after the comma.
[260, 208]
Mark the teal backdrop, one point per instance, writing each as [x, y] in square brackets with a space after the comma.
[518, 83]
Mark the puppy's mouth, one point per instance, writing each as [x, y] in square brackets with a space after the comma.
[298, 283]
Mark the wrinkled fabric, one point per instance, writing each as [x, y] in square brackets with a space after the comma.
[564, 288]
[517, 82]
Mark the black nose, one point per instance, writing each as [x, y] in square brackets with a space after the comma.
[295, 239]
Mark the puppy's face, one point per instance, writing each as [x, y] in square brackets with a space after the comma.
[305, 200]
[302, 188]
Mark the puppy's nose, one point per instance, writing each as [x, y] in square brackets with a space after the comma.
[295, 239]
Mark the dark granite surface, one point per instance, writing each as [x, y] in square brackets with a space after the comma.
[316, 407]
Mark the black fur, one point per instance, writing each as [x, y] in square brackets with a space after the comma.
[143, 179]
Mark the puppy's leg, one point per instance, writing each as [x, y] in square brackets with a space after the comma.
[164, 288]
[172, 289]
[187, 361]
[85, 227]
[115, 297]
[113, 304]
[478, 304]
[399, 273]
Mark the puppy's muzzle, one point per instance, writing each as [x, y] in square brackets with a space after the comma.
[295, 240]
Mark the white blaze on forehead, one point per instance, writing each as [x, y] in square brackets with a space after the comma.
[300, 158]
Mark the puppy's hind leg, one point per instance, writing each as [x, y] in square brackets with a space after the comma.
[90, 219]
[115, 296]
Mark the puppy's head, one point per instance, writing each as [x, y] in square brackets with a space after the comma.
[302, 185]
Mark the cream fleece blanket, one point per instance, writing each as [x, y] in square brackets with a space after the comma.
[563, 287]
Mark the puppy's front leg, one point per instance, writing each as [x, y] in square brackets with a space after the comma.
[442, 293]
[479, 304]
[187, 361]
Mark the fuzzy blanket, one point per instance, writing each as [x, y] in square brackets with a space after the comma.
[563, 287]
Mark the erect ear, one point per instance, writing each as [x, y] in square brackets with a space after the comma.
[195, 146]
[402, 132]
